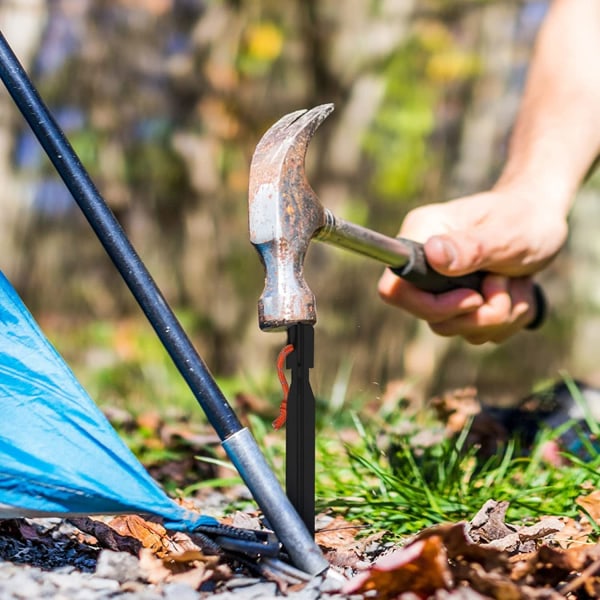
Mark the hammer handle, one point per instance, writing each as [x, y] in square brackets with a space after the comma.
[420, 273]
[407, 259]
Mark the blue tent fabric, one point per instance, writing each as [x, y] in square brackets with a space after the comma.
[59, 455]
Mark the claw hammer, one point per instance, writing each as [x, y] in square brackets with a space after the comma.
[285, 214]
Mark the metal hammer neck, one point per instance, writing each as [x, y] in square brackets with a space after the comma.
[388, 250]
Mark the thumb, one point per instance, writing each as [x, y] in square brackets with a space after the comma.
[453, 255]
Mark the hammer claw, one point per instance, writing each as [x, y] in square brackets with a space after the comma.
[291, 134]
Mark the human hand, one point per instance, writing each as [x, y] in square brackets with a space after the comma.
[500, 231]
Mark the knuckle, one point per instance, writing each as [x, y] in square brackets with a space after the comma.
[476, 252]
[417, 224]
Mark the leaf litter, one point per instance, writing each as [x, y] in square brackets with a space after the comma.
[487, 557]
[491, 557]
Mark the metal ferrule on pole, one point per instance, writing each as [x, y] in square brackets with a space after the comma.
[245, 454]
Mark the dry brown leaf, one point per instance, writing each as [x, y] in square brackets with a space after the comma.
[190, 556]
[181, 542]
[339, 533]
[106, 535]
[460, 547]
[22, 530]
[420, 568]
[490, 583]
[488, 524]
[190, 567]
[592, 587]
[247, 403]
[187, 503]
[398, 394]
[543, 528]
[572, 559]
[591, 504]
[177, 546]
[151, 535]
[574, 532]
[341, 544]
[171, 434]
[525, 576]
[461, 408]
[549, 568]
[523, 540]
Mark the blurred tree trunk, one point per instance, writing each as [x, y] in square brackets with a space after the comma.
[22, 22]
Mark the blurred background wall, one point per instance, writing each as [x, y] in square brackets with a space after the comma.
[165, 100]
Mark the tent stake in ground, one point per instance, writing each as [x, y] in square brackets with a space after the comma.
[237, 440]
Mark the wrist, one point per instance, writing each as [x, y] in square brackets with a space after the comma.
[549, 193]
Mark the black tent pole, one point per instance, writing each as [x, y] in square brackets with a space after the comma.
[237, 441]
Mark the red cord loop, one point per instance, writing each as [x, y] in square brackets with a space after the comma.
[285, 351]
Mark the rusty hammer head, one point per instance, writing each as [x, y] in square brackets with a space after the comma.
[284, 214]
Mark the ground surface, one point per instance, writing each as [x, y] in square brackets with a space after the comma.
[130, 557]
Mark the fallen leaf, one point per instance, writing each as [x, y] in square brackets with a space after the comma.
[21, 529]
[247, 403]
[572, 559]
[398, 394]
[182, 543]
[574, 532]
[171, 434]
[543, 528]
[488, 570]
[490, 583]
[188, 556]
[591, 505]
[460, 547]
[338, 533]
[488, 524]
[420, 568]
[461, 408]
[518, 541]
[341, 543]
[151, 535]
[107, 536]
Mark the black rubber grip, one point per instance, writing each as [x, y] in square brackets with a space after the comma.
[420, 273]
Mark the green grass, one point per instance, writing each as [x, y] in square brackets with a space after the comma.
[397, 487]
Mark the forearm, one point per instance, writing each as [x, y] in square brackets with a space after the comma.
[557, 134]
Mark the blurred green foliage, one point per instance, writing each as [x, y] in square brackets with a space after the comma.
[418, 76]
[170, 104]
